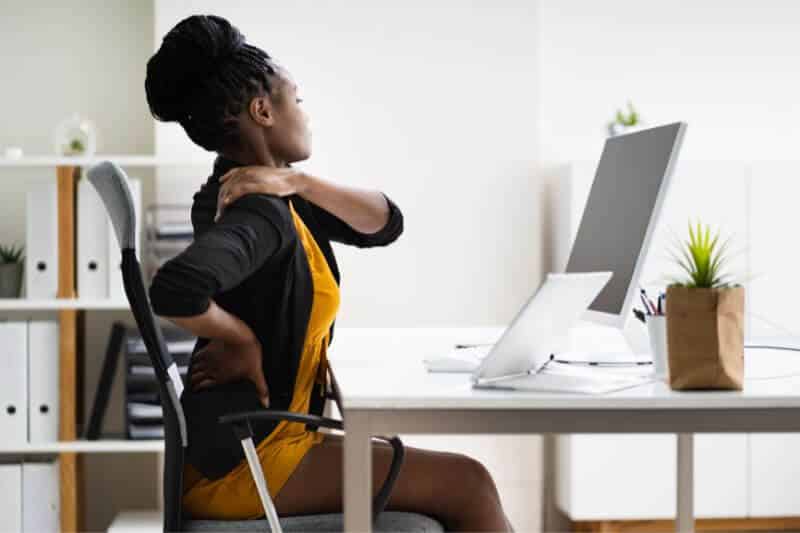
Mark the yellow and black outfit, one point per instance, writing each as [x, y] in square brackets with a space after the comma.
[268, 260]
[234, 496]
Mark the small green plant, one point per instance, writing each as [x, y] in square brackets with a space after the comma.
[11, 254]
[624, 120]
[703, 259]
[631, 119]
[76, 146]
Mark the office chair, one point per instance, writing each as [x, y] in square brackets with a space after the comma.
[111, 184]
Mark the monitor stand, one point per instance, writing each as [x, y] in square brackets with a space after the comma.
[590, 343]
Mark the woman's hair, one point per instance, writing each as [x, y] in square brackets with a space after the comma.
[202, 76]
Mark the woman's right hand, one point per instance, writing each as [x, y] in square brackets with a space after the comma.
[221, 362]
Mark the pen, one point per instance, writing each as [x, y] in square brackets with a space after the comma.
[650, 302]
[639, 314]
[646, 304]
[659, 309]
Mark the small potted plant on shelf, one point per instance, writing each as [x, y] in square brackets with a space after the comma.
[75, 136]
[11, 263]
[705, 316]
[624, 122]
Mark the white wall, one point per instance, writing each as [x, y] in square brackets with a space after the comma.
[433, 103]
[727, 67]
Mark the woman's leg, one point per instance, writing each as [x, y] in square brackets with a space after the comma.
[455, 489]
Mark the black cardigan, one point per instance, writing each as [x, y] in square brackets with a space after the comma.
[253, 265]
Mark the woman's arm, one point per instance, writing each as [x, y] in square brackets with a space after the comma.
[216, 323]
[329, 204]
[348, 215]
[217, 260]
[363, 210]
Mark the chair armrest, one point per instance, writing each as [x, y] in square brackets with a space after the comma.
[282, 415]
[243, 431]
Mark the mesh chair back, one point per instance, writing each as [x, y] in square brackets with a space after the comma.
[112, 184]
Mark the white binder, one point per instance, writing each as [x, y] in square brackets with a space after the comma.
[43, 380]
[40, 498]
[116, 289]
[14, 383]
[41, 237]
[11, 501]
[92, 245]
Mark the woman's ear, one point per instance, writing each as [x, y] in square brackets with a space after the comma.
[261, 111]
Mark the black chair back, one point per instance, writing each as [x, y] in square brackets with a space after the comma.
[112, 184]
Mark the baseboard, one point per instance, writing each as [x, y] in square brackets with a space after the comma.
[702, 524]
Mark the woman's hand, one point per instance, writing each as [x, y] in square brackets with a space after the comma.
[256, 179]
[221, 362]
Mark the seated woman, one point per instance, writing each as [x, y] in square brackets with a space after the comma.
[259, 286]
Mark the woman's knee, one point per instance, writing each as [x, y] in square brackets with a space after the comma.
[478, 474]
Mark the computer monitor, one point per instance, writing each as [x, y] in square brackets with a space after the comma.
[620, 215]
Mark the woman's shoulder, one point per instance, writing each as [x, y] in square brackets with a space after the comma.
[273, 208]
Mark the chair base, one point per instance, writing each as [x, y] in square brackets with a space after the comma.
[387, 521]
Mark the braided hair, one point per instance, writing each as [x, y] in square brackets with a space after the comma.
[203, 76]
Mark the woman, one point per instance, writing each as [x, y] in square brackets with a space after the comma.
[259, 287]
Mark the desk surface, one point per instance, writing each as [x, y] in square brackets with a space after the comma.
[380, 368]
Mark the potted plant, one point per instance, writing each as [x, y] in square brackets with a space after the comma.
[705, 317]
[75, 136]
[624, 122]
[11, 264]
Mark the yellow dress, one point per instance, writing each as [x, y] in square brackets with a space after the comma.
[234, 496]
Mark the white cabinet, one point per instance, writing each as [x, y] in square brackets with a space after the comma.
[619, 477]
[632, 477]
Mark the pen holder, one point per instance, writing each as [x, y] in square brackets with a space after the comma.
[657, 330]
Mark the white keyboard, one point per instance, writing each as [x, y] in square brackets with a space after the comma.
[458, 359]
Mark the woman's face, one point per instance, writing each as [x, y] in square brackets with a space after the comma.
[289, 137]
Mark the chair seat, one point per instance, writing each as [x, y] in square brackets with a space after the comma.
[387, 521]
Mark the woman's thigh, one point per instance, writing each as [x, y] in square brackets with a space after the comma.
[438, 484]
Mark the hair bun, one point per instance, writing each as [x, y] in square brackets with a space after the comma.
[194, 50]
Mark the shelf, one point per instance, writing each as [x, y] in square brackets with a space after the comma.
[86, 446]
[121, 160]
[26, 304]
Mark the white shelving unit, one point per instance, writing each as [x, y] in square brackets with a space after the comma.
[68, 308]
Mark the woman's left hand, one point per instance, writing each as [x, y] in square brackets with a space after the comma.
[240, 181]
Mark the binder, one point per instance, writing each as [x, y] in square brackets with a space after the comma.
[41, 236]
[106, 379]
[116, 289]
[43, 380]
[40, 498]
[11, 502]
[145, 411]
[145, 431]
[92, 243]
[14, 382]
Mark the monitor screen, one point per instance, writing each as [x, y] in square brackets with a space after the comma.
[617, 214]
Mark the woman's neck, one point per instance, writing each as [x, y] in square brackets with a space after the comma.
[248, 156]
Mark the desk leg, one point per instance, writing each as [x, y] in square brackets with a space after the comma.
[685, 518]
[357, 473]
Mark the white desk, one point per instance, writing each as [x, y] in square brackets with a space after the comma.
[386, 390]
